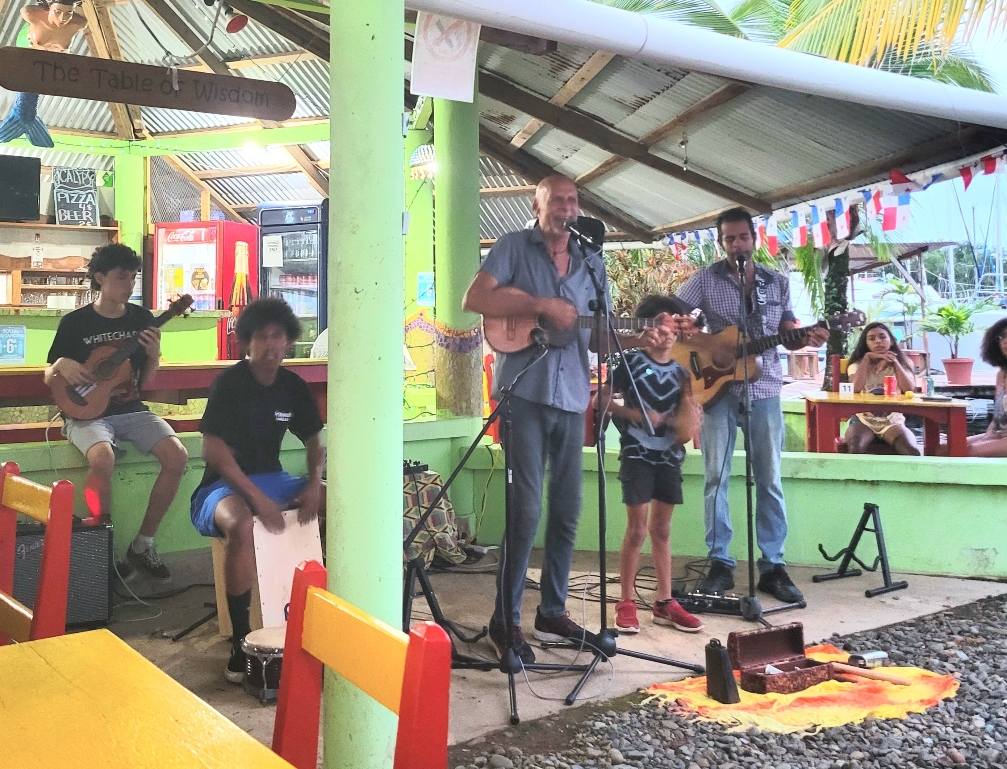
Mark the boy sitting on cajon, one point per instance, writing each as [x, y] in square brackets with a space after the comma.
[251, 406]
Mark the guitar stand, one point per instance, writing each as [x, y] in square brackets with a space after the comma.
[873, 515]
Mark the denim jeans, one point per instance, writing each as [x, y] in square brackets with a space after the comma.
[539, 433]
[717, 436]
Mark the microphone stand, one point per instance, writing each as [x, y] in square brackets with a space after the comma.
[604, 332]
[509, 663]
[750, 606]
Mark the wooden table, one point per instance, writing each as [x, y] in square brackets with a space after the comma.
[824, 411]
[88, 700]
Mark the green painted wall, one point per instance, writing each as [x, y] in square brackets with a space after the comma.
[940, 516]
[437, 444]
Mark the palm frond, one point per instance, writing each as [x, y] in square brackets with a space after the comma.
[808, 262]
[706, 14]
[861, 31]
[956, 67]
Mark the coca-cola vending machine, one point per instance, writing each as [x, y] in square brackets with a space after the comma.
[217, 263]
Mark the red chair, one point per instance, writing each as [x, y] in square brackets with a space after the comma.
[54, 508]
[409, 675]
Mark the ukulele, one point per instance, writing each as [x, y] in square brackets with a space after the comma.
[714, 360]
[111, 368]
[518, 332]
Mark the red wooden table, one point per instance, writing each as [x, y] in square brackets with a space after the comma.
[824, 412]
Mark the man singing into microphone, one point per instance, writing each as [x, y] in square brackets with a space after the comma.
[543, 271]
[715, 290]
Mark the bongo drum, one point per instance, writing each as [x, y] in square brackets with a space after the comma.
[264, 655]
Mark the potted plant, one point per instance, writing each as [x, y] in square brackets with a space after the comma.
[953, 321]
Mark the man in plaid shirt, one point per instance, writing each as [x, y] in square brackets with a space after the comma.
[715, 290]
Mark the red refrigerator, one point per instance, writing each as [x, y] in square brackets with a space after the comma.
[216, 262]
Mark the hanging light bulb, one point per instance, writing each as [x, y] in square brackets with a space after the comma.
[235, 21]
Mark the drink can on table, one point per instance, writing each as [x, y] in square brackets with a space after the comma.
[891, 385]
[928, 386]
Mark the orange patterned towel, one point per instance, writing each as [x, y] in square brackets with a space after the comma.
[832, 703]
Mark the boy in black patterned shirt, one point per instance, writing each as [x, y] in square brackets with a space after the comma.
[651, 465]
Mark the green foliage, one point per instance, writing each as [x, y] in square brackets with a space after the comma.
[954, 320]
[908, 301]
[637, 272]
[925, 39]
[807, 261]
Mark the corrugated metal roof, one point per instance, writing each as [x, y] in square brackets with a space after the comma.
[137, 42]
[160, 120]
[62, 159]
[59, 112]
[500, 214]
[494, 174]
[243, 158]
[308, 79]
[541, 74]
[268, 188]
[321, 150]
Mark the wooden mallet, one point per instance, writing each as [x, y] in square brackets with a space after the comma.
[877, 675]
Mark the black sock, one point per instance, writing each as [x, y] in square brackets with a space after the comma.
[239, 606]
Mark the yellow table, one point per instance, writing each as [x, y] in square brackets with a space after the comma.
[88, 700]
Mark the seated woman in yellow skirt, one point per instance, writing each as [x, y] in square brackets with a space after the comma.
[876, 356]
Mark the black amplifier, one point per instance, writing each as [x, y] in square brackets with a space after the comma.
[89, 598]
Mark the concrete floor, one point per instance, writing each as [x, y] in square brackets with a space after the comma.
[479, 699]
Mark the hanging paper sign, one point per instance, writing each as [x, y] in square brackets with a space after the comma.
[425, 289]
[75, 192]
[444, 57]
[12, 345]
[82, 77]
[272, 250]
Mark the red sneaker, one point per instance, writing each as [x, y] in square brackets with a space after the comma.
[625, 617]
[671, 613]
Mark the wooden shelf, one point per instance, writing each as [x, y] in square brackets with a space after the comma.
[42, 226]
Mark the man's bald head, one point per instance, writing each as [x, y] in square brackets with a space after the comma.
[555, 204]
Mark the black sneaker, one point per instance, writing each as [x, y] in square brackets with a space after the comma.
[778, 584]
[501, 638]
[149, 563]
[718, 580]
[235, 670]
[562, 628]
[124, 569]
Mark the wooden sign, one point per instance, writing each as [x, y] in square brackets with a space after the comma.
[75, 192]
[83, 77]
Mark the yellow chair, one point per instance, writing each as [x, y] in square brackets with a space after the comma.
[408, 674]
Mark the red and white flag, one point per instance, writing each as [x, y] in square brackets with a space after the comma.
[967, 173]
[819, 227]
[798, 229]
[842, 218]
[895, 212]
[901, 184]
[760, 234]
[772, 239]
[993, 164]
[872, 202]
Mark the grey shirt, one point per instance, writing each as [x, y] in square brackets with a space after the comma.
[562, 380]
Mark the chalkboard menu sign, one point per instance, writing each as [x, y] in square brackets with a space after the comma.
[75, 191]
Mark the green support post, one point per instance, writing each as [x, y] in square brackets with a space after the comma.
[364, 532]
[457, 354]
[130, 189]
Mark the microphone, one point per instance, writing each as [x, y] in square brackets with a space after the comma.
[538, 337]
[571, 227]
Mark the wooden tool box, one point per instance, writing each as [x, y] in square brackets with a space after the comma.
[783, 648]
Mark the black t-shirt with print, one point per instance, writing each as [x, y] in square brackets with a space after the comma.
[661, 386]
[82, 331]
[252, 418]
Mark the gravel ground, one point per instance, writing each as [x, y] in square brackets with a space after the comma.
[969, 642]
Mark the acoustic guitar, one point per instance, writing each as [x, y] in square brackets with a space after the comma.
[714, 360]
[111, 369]
[518, 332]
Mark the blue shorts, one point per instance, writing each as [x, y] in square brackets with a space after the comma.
[281, 487]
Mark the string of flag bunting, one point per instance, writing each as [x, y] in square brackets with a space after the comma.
[890, 202]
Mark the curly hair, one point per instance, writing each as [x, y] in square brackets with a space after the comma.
[107, 258]
[861, 349]
[265, 312]
[990, 350]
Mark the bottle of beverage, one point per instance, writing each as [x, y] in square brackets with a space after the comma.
[239, 299]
